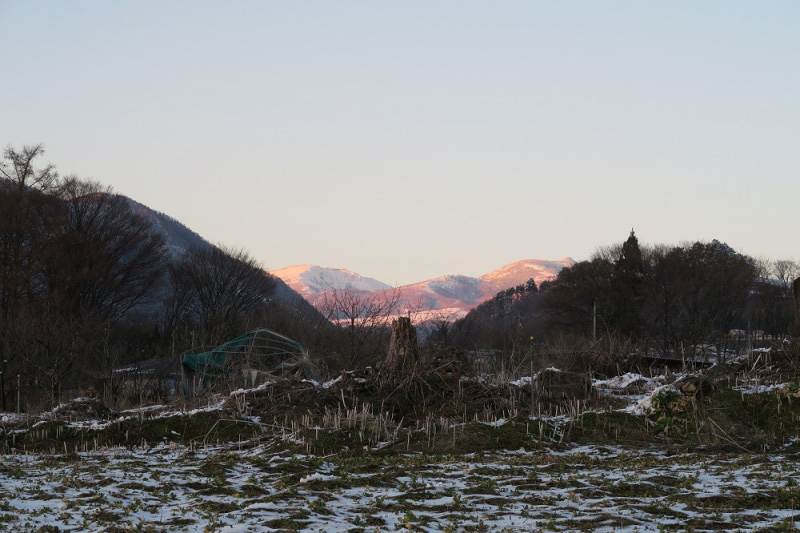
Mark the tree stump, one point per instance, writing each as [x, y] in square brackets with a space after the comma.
[403, 352]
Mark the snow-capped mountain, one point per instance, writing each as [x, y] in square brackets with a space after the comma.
[518, 272]
[309, 280]
[455, 293]
[451, 295]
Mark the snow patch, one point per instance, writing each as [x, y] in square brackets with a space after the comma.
[645, 405]
[316, 476]
[261, 387]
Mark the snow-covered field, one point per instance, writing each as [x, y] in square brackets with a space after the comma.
[258, 489]
[265, 487]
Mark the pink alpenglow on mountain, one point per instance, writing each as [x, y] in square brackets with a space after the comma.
[453, 295]
[309, 280]
[518, 272]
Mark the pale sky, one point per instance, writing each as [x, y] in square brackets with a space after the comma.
[409, 140]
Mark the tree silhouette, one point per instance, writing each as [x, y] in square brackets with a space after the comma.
[627, 283]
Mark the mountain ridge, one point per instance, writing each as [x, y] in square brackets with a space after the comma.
[452, 294]
[180, 239]
[312, 279]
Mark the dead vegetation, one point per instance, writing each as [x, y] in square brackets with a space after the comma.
[750, 404]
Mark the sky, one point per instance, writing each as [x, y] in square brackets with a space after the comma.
[407, 140]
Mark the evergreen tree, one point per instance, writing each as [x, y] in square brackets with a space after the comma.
[626, 288]
[530, 286]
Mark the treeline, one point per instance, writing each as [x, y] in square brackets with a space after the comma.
[657, 299]
[89, 291]
[86, 286]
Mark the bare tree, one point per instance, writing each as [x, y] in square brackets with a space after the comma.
[764, 267]
[697, 292]
[55, 342]
[111, 261]
[215, 288]
[435, 327]
[363, 320]
[770, 307]
[107, 262]
[786, 271]
[610, 252]
[29, 217]
[74, 260]
[19, 172]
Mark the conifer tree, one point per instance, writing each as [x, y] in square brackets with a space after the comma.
[626, 287]
[530, 286]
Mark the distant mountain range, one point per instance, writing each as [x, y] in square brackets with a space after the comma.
[450, 295]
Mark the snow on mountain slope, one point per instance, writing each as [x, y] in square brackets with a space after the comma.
[309, 280]
[519, 272]
[464, 288]
[453, 294]
[445, 292]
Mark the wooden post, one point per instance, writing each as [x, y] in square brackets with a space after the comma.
[18, 394]
[533, 403]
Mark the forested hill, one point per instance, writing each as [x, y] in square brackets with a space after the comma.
[91, 280]
[180, 239]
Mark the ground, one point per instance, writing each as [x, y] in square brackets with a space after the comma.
[709, 450]
[595, 488]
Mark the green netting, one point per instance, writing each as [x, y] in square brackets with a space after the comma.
[260, 350]
[213, 362]
[274, 349]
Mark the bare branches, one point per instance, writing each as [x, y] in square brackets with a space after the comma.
[216, 287]
[74, 260]
[18, 169]
[363, 320]
[111, 260]
[785, 271]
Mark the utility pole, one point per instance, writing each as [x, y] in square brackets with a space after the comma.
[18, 395]
[532, 389]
